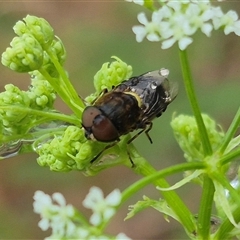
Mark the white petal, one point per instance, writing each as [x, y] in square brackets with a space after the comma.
[114, 198]
[153, 37]
[232, 14]
[58, 197]
[207, 29]
[139, 2]
[69, 210]
[41, 202]
[165, 30]
[122, 236]
[44, 224]
[228, 29]
[207, 15]
[165, 12]
[108, 213]
[168, 43]
[95, 195]
[156, 17]
[184, 42]
[142, 18]
[175, 5]
[237, 28]
[140, 32]
[95, 219]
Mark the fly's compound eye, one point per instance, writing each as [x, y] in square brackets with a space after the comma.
[103, 129]
[89, 115]
[99, 125]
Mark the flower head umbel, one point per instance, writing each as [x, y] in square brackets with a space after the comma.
[66, 222]
[177, 21]
[103, 209]
[110, 74]
[188, 137]
[24, 55]
[39, 28]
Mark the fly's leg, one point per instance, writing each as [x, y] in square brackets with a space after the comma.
[146, 129]
[100, 153]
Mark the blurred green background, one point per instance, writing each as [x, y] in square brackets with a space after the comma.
[93, 31]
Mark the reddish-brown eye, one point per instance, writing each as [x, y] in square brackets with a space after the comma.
[89, 115]
[103, 129]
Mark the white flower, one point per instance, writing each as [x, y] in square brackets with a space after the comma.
[103, 209]
[177, 21]
[150, 30]
[231, 23]
[65, 221]
[198, 18]
[55, 213]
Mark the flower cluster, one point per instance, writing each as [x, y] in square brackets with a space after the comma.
[110, 75]
[67, 223]
[177, 21]
[68, 150]
[27, 49]
[15, 114]
[188, 137]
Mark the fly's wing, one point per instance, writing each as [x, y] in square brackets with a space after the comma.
[152, 90]
[161, 93]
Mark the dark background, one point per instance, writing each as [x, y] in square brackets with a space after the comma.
[93, 31]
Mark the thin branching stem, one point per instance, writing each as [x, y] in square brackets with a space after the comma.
[208, 188]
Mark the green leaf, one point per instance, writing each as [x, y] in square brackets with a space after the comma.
[160, 206]
[224, 204]
[233, 144]
[179, 184]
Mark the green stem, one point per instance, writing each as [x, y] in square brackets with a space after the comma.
[173, 200]
[44, 114]
[229, 157]
[208, 189]
[188, 82]
[226, 227]
[225, 183]
[135, 187]
[68, 86]
[80, 218]
[231, 131]
[204, 215]
[62, 91]
[153, 178]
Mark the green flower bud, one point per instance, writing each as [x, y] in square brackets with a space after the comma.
[25, 54]
[39, 28]
[41, 94]
[86, 153]
[188, 137]
[111, 75]
[91, 98]
[69, 151]
[14, 120]
[59, 49]
[57, 153]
